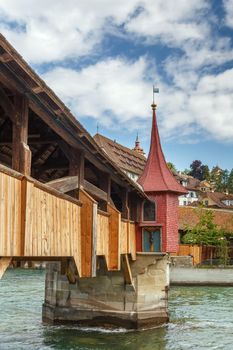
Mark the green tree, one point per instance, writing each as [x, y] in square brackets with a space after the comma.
[225, 177]
[230, 182]
[206, 232]
[186, 171]
[196, 170]
[205, 172]
[172, 167]
[216, 176]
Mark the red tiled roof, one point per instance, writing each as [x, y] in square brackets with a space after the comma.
[125, 158]
[156, 176]
[188, 216]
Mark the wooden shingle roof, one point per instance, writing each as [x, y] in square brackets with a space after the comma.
[123, 157]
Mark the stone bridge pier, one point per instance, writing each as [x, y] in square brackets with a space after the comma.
[107, 299]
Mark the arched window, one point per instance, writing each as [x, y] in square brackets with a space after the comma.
[149, 211]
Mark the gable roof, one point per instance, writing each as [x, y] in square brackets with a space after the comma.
[15, 71]
[125, 158]
[156, 176]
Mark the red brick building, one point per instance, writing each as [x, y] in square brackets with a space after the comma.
[158, 217]
[159, 221]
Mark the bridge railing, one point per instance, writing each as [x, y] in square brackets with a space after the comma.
[37, 221]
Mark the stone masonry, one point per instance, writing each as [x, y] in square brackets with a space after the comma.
[107, 300]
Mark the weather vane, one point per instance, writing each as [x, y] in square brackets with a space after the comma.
[97, 128]
[155, 91]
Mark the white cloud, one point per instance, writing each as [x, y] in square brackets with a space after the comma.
[228, 5]
[115, 92]
[49, 30]
[172, 22]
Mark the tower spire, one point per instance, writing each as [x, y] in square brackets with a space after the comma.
[156, 176]
[137, 148]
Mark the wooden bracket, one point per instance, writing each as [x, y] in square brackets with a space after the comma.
[4, 263]
[127, 270]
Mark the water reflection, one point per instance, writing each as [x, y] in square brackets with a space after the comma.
[86, 338]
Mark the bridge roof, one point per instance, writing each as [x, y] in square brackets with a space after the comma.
[16, 73]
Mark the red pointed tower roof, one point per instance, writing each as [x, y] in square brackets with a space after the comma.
[156, 176]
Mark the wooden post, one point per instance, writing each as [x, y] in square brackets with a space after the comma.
[21, 154]
[76, 167]
[105, 185]
[94, 240]
[125, 203]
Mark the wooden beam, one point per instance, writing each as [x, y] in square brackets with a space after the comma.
[70, 183]
[37, 89]
[95, 191]
[7, 105]
[124, 195]
[6, 57]
[127, 270]
[65, 184]
[39, 153]
[52, 165]
[21, 154]
[4, 263]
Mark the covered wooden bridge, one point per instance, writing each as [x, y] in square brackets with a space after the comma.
[61, 196]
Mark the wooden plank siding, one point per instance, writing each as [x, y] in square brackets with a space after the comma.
[10, 215]
[103, 237]
[132, 240]
[39, 222]
[52, 226]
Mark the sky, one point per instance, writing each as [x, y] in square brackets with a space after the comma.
[102, 57]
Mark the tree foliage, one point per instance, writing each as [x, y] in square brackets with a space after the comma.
[205, 232]
[172, 167]
[221, 180]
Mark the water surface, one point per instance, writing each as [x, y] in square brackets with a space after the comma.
[201, 318]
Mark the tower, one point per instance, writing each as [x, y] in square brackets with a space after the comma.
[137, 148]
[159, 220]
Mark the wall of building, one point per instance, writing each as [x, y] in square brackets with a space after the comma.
[188, 198]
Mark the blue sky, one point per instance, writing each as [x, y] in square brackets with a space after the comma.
[102, 58]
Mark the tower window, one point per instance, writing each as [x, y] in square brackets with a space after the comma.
[149, 211]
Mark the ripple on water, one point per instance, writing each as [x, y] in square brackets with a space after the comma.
[201, 318]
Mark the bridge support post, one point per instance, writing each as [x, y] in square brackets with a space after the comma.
[107, 300]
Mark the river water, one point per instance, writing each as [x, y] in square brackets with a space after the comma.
[201, 318]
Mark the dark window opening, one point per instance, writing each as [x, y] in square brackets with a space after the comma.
[149, 211]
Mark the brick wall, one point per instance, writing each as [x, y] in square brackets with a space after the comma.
[172, 223]
[167, 219]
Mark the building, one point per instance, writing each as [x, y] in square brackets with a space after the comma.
[217, 200]
[158, 227]
[191, 184]
[159, 222]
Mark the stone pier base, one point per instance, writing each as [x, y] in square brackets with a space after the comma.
[107, 300]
